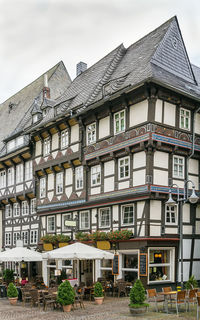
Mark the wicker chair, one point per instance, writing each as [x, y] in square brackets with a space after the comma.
[36, 299]
[49, 300]
[26, 296]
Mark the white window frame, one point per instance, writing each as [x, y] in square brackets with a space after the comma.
[34, 236]
[8, 211]
[16, 209]
[24, 236]
[168, 209]
[122, 214]
[47, 146]
[8, 238]
[25, 208]
[69, 216]
[124, 165]
[64, 139]
[178, 164]
[42, 187]
[101, 210]
[54, 224]
[35, 118]
[79, 177]
[10, 176]
[19, 173]
[121, 129]
[81, 222]
[28, 170]
[184, 116]
[91, 132]
[16, 236]
[95, 175]
[33, 206]
[2, 179]
[59, 182]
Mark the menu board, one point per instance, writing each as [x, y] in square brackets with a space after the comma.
[115, 265]
[143, 264]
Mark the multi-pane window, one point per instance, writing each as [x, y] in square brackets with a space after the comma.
[64, 139]
[91, 133]
[79, 177]
[19, 173]
[170, 214]
[104, 218]
[178, 167]
[33, 236]
[8, 238]
[185, 119]
[47, 144]
[25, 237]
[127, 215]
[124, 168]
[42, 187]
[8, 211]
[51, 224]
[95, 175]
[25, 208]
[16, 209]
[66, 217]
[33, 206]
[16, 236]
[161, 264]
[119, 122]
[84, 220]
[3, 179]
[11, 176]
[28, 170]
[59, 183]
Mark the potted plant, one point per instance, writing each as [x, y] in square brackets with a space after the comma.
[137, 298]
[49, 241]
[12, 294]
[98, 293]
[8, 275]
[62, 240]
[82, 236]
[66, 296]
[191, 283]
[119, 235]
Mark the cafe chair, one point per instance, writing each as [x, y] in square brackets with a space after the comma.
[181, 300]
[36, 299]
[26, 297]
[79, 295]
[152, 296]
[172, 298]
[192, 297]
[198, 305]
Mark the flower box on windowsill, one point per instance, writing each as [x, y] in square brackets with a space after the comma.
[62, 244]
[47, 246]
[103, 245]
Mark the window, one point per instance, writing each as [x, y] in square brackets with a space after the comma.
[95, 175]
[64, 139]
[15, 143]
[42, 187]
[19, 173]
[124, 168]
[10, 145]
[161, 264]
[16, 236]
[33, 206]
[79, 177]
[8, 238]
[178, 167]
[28, 170]
[3, 179]
[25, 208]
[35, 118]
[33, 236]
[66, 217]
[127, 215]
[119, 122]
[184, 119]
[25, 237]
[84, 220]
[11, 176]
[170, 214]
[91, 133]
[16, 209]
[51, 224]
[47, 143]
[104, 218]
[8, 211]
[59, 183]
[130, 266]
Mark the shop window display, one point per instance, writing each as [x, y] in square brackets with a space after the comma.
[160, 265]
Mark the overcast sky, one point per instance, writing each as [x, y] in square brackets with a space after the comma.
[37, 34]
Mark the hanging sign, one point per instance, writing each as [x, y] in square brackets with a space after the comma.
[143, 265]
[115, 265]
[70, 223]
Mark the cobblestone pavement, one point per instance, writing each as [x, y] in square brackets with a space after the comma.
[112, 308]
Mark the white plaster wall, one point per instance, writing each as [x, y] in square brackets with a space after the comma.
[50, 195]
[179, 183]
[198, 211]
[186, 268]
[68, 176]
[171, 230]
[43, 222]
[1, 235]
[169, 113]
[196, 270]
[197, 123]
[139, 160]
[95, 190]
[193, 166]
[109, 184]
[74, 133]
[155, 210]
[195, 181]
[25, 227]
[17, 228]
[104, 127]
[187, 229]
[155, 230]
[161, 159]
[75, 147]
[140, 209]
[186, 212]
[50, 181]
[38, 148]
[160, 177]
[68, 191]
[109, 168]
[186, 248]
[123, 185]
[19, 188]
[94, 212]
[139, 177]
[196, 249]
[58, 220]
[138, 113]
[55, 141]
[197, 227]
[158, 111]
[142, 230]
[115, 212]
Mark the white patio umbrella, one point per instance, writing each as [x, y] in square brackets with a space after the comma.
[20, 254]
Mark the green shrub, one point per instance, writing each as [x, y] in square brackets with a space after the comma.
[62, 238]
[8, 275]
[12, 291]
[137, 295]
[99, 236]
[82, 236]
[98, 290]
[66, 294]
[119, 235]
[191, 283]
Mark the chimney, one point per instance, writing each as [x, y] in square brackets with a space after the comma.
[80, 67]
[46, 90]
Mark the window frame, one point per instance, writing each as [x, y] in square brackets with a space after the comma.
[177, 176]
[95, 173]
[8, 243]
[170, 212]
[100, 220]
[79, 177]
[119, 166]
[24, 237]
[122, 215]
[48, 218]
[93, 133]
[15, 238]
[120, 124]
[42, 187]
[25, 208]
[9, 210]
[16, 208]
[80, 222]
[28, 170]
[33, 204]
[10, 176]
[19, 173]
[33, 232]
[2, 179]
[46, 146]
[64, 137]
[59, 182]
[184, 127]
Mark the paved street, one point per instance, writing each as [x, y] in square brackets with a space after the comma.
[113, 308]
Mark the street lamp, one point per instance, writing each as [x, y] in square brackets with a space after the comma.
[193, 198]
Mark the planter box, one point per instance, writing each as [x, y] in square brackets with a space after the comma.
[62, 244]
[103, 245]
[47, 246]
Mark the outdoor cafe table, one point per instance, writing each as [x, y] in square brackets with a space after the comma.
[166, 297]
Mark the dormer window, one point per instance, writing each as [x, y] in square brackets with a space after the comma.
[44, 113]
[15, 143]
[35, 118]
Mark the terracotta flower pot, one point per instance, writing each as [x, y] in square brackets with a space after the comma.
[13, 301]
[67, 308]
[98, 300]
